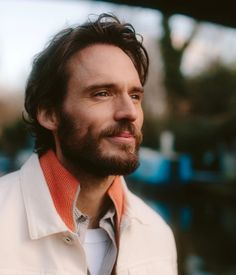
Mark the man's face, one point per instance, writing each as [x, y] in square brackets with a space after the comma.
[101, 118]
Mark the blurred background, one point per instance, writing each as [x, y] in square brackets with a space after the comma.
[187, 167]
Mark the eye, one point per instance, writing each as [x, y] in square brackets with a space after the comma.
[103, 93]
[136, 96]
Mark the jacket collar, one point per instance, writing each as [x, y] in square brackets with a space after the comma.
[135, 209]
[63, 187]
[43, 219]
[42, 215]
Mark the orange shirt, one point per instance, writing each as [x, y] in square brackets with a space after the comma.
[63, 187]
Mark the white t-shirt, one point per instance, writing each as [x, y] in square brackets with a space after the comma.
[96, 245]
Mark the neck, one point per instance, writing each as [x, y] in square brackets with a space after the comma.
[92, 200]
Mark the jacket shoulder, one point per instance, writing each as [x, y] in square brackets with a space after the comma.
[8, 180]
[150, 239]
[145, 213]
[152, 221]
[9, 190]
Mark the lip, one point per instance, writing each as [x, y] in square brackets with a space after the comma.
[125, 134]
[124, 137]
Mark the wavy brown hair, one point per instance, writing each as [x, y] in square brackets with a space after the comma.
[47, 82]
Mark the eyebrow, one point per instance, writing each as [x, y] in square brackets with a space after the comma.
[93, 87]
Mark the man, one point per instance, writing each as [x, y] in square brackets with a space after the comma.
[68, 210]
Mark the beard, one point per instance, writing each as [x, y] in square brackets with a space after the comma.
[85, 152]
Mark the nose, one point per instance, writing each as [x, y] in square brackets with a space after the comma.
[125, 109]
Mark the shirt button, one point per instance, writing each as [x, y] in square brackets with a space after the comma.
[82, 219]
[68, 240]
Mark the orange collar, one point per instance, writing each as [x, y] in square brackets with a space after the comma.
[63, 187]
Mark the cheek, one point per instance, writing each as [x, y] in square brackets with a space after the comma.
[96, 117]
[140, 118]
[89, 124]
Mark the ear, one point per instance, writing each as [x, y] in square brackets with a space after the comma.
[48, 119]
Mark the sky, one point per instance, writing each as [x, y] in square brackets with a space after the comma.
[26, 26]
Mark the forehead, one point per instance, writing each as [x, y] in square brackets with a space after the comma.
[100, 61]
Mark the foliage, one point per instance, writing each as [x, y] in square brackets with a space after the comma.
[202, 109]
[213, 93]
[14, 138]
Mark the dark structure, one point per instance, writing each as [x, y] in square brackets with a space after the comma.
[219, 12]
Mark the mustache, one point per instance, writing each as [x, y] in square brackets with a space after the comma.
[120, 127]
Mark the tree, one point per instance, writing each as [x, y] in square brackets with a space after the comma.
[174, 80]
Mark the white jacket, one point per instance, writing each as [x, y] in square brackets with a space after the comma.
[35, 241]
